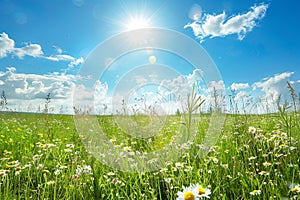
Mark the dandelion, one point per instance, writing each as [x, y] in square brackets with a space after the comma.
[251, 129]
[255, 192]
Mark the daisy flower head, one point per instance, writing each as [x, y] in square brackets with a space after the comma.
[255, 192]
[202, 192]
[251, 129]
[188, 193]
[295, 189]
[194, 192]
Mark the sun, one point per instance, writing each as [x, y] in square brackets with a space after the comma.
[137, 23]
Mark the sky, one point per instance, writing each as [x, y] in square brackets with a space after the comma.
[45, 44]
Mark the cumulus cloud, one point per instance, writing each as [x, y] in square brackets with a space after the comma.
[24, 90]
[274, 86]
[221, 25]
[239, 86]
[76, 62]
[217, 86]
[33, 50]
[7, 47]
[262, 96]
[31, 86]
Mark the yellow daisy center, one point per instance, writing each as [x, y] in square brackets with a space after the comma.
[295, 189]
[201, 191]
[188, 196]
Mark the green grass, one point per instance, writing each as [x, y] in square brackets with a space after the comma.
[43, 157]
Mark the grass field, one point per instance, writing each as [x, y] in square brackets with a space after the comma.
[256, 157]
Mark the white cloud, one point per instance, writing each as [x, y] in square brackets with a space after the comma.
[60, 57]
[241, 95]
[220, 25]
[31, 86]
[24, 90]
[274, 86]
[58, 49]
[217, 86]
[239, 86]
[6, 45]
[33, 50]
[76, 62]
[196, 76]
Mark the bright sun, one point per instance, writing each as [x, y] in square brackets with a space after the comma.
[137, 23]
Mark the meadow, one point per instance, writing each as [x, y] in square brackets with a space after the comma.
[255, 157]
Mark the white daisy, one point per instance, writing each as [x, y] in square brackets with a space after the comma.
[188, 193]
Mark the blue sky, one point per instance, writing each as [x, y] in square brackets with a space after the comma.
[43, 44]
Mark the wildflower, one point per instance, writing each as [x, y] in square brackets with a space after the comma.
[57, 172]
[4, 172]
[40, 166]
[50, 182]
[188, 193]
[225, 166]
[110, 174]
[252, 158]
[112, 140]
[295, 189]
[251, 129]
[71, 146]
[267, 164]
[214, 159]
[127, 148]
[255, 192]
[18, 168]
[202, 192]
[67, 150]
[188, 168]
[163, 170]
[229, 177]
[264, 173]
[179, 165]
[35, 157]
[153, 160]
[86, 169]
[194, 191]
